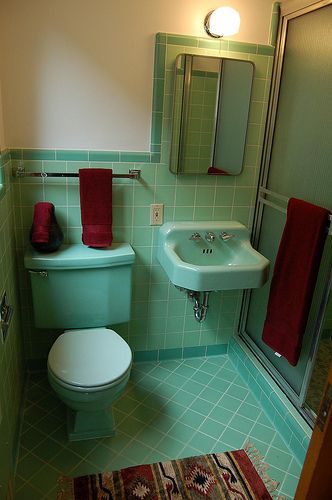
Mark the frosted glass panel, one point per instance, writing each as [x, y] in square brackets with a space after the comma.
[300, 161]
[302, 146]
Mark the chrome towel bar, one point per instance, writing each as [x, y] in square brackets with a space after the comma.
[20, 172]
[263, 191]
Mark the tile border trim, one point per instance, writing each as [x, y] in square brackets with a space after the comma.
[181, 353]
[291, 425]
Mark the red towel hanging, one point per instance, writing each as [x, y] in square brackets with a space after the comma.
[96, 206]
[294, 278]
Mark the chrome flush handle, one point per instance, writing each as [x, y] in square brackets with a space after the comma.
[43, 274]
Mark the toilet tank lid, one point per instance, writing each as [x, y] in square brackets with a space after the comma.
[78, 256]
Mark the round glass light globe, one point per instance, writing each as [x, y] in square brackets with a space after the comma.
[224, 21]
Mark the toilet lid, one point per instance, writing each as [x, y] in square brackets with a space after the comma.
[90, 357]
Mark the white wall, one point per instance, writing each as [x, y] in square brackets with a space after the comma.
[78, 73]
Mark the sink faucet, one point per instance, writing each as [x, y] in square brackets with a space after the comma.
[226, 236]
[195, 237]
[210, 236]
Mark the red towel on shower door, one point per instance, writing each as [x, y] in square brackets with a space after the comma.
[294, 278]
[96, 206]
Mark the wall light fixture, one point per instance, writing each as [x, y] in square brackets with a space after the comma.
[223, 21]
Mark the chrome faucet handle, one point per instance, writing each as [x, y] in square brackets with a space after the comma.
[209, 236]
[226, 236]
[195, 237]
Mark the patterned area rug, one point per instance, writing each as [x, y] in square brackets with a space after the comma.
[231, 475]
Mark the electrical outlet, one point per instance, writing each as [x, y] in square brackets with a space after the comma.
[156, 214]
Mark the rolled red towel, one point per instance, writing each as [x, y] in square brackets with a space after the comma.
[45, 233]
[42, 219]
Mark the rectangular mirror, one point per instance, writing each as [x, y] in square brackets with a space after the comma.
[210, 114]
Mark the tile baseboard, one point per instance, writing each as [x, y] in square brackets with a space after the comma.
[181, 353]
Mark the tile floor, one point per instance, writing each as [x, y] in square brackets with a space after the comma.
[171, 409]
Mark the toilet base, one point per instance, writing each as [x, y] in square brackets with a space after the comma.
[83, 425]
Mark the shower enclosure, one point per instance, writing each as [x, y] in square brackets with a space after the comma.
[297, 162]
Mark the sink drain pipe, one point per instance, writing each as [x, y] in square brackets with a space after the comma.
[200, 309]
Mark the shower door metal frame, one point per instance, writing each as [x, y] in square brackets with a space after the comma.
[289, 10]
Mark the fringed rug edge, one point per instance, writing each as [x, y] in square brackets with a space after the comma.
[262, 467]
[66, 488]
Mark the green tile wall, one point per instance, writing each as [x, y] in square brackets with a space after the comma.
[162, 317]
[11, 355]
[274, 23]
[295, 432]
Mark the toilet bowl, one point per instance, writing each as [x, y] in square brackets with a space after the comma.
[89, 369]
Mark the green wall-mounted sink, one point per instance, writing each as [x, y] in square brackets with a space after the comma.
[204, 256]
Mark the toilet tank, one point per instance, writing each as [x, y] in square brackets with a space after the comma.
[81, 287]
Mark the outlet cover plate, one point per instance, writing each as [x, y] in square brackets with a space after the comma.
[156, 214]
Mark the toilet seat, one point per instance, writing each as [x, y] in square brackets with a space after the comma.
[89, 359]
[90, 389]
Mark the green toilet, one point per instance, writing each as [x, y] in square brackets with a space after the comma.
[82, 290]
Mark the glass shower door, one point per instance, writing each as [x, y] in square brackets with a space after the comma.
[298, 164]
